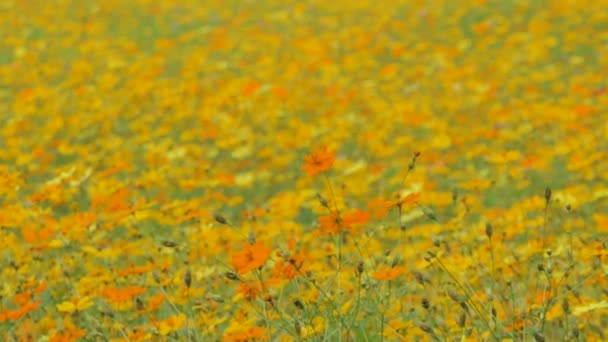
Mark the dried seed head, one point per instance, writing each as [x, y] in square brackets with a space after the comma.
[396, 261]
[489, 230]
[538, 337]
[188, 279]
[169, 244]
[322, 200]
[568, 207]
[298, 328]
[139, 304]
[298, 304]
[426, 304]
[455, 297]
[220, 219]
[429, 213]
[360, 268]
[462, 319]
[436, 241]
[540, 267]
[566, 306]
[231, 276]
[420, 278]
[426, 328]
[156, 277]
[547, 195]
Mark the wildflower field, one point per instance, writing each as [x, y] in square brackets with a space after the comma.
[303, 171]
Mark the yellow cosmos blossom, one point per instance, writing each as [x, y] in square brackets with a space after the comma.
[170, 324]
[76, 304]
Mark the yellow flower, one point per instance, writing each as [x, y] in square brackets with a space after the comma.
[170, 324]
[76, 304]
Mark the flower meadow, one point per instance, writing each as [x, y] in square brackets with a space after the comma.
[303, 171]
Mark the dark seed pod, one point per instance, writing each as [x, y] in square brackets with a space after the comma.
[139, 304]
[169, 244]
[231, 276]
[323, 201]
[360, 268]
[156, 277]
[298, 304]
[462, 320]
[566, 306]
[298, 328]
[539, 337]
[426, 304]
[220, 219]
[489, 230]
[188, 279]
[427, 329]
[547, 195]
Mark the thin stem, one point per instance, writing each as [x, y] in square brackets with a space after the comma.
[358, 300]
[477, 311]
[548, 302]
[545, 225]
[493, 265]
[318, 288]
[387, 301]
[266, 319]
[338, 243]
[333, 196]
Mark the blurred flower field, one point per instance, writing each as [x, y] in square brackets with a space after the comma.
[304, 171]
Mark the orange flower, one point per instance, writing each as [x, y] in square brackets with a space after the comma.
[119, 295]
[14, 315]
[379, 207]
[250, 257]
[68, 335]
[388, 273]
[249, 292]
[319, 161]
[252, 290]
[334, 223]
[410, 199]
[284, 269]
[249, 334]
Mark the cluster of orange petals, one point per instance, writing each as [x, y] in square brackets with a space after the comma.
[319, 161]
[118, 295]
[251, 257]
[14, 315]
[336, 223]
[68, 335]
[388, 273]
[249, 334]
[411, 199]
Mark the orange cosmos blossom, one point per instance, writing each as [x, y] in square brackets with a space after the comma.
[250, 257]
[248, 334]
[336, 223]
[319, 161]
[410, 199]
[388, 273]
